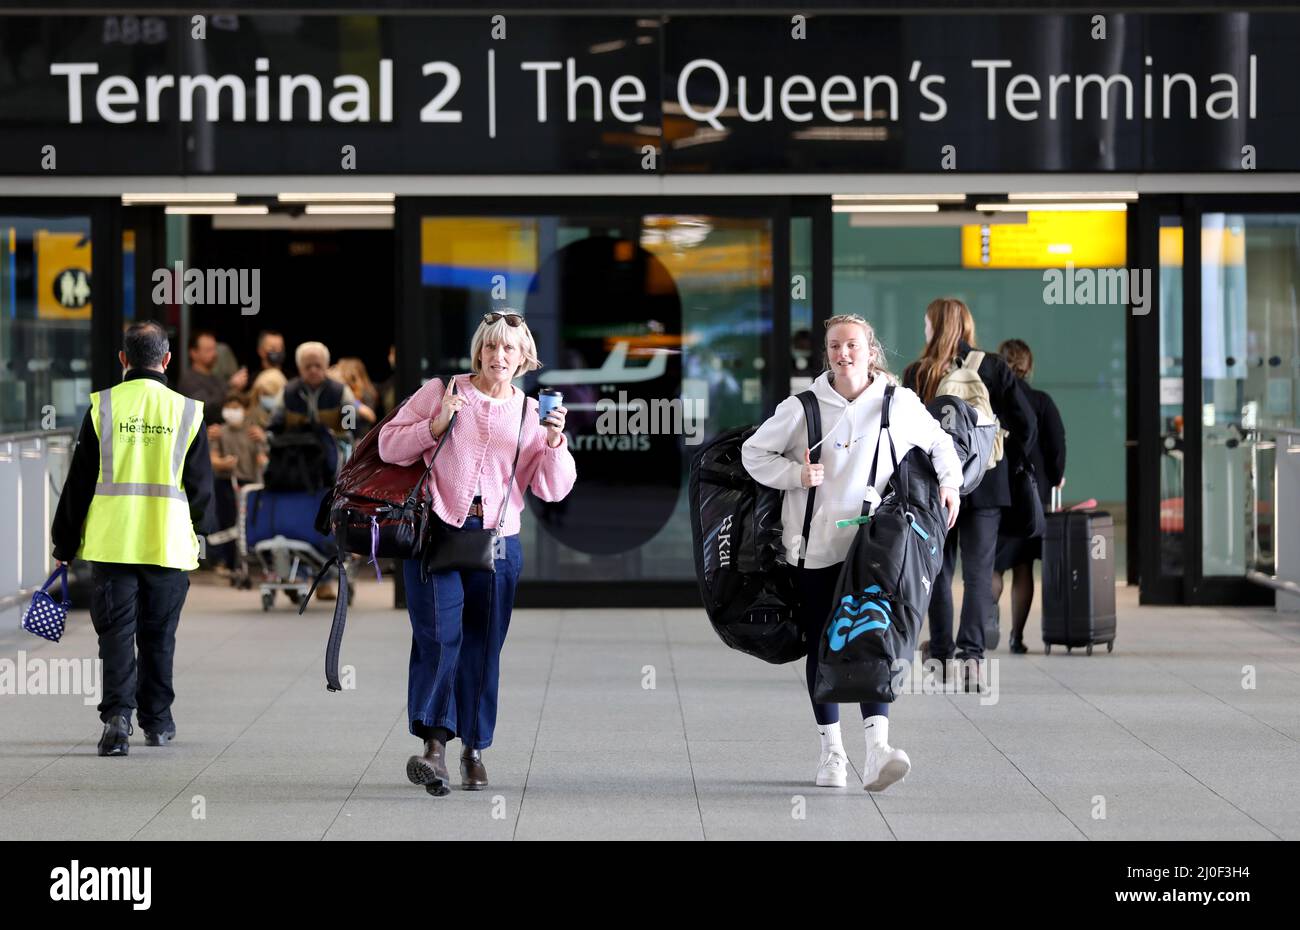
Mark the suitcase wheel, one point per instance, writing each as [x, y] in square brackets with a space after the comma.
[268, 598]
[1089, 648]
[1110, 646]
[1069, 649]
[1047, 649]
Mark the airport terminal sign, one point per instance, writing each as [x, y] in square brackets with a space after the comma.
[276, 94]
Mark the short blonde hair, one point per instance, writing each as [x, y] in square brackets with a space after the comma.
[311, 348]
[502, 331]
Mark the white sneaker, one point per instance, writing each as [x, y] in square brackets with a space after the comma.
[884, 766]
[833, 772]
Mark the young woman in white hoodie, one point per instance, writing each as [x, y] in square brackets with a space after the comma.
[850, 393]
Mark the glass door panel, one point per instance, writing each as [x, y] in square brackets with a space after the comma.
[45, 311]
[1250, 273]
[1172, 433]
[657, 328]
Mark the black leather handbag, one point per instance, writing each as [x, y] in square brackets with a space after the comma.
[1024, 518]
[450, 548]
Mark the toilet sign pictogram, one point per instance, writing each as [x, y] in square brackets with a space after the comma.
[72, 288]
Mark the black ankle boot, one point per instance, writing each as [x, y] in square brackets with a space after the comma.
[113, 741]
[430, 769]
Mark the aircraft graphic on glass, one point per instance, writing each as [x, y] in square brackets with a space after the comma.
[614, 369]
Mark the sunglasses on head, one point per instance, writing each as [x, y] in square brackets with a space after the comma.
[512, 319]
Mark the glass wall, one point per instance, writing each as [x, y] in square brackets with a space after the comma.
[1049, 278]
[1250, 373]
[1172, 433]
[656, 328]
[45, 309]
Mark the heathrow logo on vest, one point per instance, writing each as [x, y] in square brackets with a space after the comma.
[89, 883]
[132, 427]
[134, 430]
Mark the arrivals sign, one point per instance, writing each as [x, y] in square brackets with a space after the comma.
[375, 94]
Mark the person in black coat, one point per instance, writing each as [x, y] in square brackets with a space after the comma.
[1047, 456]
[949, 339]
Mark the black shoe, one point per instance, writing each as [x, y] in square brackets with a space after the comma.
[114, 740]
[161, 738]
[971, 677]
[1017, 646]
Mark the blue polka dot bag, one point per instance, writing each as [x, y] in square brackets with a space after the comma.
[45, 616]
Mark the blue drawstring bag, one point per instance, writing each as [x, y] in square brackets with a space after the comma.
[45, 616]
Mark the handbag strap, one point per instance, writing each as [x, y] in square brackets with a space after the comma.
[510, 482]
[60, 573]
[420, 485]
[812, 415]
[884, 430]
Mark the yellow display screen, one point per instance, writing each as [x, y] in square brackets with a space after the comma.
[1048, 239]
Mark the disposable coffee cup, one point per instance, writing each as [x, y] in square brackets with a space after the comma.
[547, 400]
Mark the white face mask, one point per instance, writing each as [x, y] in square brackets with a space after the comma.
[268, 402]
[233, 415]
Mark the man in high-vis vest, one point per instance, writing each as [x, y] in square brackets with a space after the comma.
[137, 494]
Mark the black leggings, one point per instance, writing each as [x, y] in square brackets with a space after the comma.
[816, 597]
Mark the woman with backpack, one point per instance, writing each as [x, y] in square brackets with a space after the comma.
[1047, 456]
[950, 364]
[459, 618]
[850, 395]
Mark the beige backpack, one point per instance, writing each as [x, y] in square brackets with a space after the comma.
[963, 382]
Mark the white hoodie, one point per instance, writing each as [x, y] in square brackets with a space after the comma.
[774, 456]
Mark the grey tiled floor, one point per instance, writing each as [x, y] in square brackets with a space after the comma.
[1160, 737]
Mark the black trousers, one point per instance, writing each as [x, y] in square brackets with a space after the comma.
[137, 607]
[976, 534]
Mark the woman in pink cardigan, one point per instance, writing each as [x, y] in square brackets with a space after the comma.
[459, 619]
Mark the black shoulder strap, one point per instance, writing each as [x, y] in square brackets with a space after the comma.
[884, 428]
[420, 485]
[812, 416]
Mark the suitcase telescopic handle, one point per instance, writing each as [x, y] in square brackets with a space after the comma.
[1056, 500]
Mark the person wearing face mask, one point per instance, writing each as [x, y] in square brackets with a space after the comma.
[238, 452]
[850, 393]
[267, 391]
[270, 349]
[241, 440]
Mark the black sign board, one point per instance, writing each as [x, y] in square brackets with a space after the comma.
[523, 94]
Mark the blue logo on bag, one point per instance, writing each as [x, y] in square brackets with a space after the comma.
[855, 617]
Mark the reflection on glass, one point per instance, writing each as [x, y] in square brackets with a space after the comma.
[654, 327]
[45, 308]
[1250, 270]
[805, 352]
[1171, 396]
[1004, 272]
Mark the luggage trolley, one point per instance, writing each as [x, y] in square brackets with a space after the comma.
[278, 536]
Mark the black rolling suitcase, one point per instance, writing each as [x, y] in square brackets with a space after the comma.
[1078, 579]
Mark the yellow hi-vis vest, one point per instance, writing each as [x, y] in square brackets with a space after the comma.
[140, 513]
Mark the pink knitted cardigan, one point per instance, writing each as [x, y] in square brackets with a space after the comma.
[481, 448]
